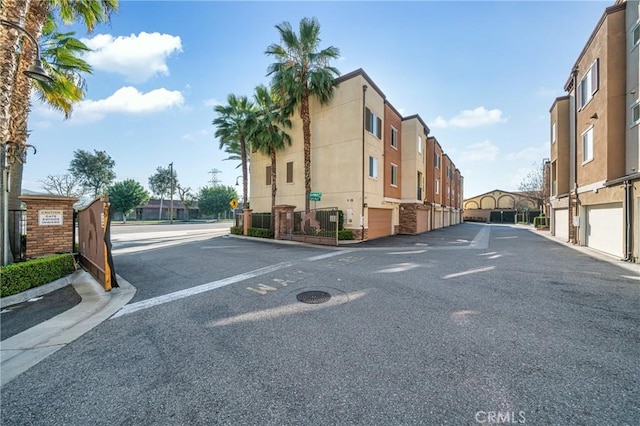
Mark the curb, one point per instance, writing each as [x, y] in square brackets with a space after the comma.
[40, 290]
[24, 350]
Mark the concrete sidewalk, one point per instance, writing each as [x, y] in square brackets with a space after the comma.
[629, 266]
[24, 350]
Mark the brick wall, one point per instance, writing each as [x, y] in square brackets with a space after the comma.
[46, 239]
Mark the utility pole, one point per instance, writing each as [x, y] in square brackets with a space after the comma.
[172, 189]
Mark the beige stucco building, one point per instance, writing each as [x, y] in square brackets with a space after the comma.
[366, 160]
[595, 188]
[500, 206]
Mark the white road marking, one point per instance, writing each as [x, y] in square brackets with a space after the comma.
[488, 254]
[495, 256]
[35, 299]
[4, 311]
[408, 252]
[422, 244]
[262, 289]
[327, 255]
[472, 271]
[505, 238]
[400, 267]
[170, 297]
[166, 298]
[630, 277]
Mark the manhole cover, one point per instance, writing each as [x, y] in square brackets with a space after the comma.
[313, 297]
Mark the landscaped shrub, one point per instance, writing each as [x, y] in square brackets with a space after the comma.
[259, 232]
[345, 235]
[18, 277]
[236, 230]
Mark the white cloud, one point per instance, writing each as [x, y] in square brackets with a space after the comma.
[138, 57]
[198, 135]
[127, 100]
[212, 102]
[530, 153]
[470, 118]
[480, 151]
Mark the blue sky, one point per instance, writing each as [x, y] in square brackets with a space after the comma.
[483, 75]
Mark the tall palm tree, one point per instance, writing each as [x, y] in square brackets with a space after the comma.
[302, 70]
[234, 125]
[233, 149]
[61, 57]
[270, 136]
[13, 11]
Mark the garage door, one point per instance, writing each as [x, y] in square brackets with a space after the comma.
[605, 228]
[437, 219]
[561, 223]
[422, 218]
[379, 223]
[447, 218]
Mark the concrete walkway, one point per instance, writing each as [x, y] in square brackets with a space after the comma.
[26, 349]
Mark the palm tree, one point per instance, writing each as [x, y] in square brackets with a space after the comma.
[13, 11]
[61, 58]
[233, 149]
[301, 71]
[234, 125]
[270, 136]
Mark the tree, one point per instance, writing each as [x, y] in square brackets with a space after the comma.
[18, 55]
[301, 71]
[270, 136]
[125, 196]
[60, 55]
[234, 126]
[65, 185]
[215, 200]
[161, 182]
[187, 198]
[535, 184]
[94, 171]
[233, 149]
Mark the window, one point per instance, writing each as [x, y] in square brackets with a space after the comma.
[448, 172]
[553, 132]
[373, 124]
[635, 35]
[268, 175]
[419, 144]
[436, 160]
[587, 145]
[437, 186]
[635, 114]
[394, 137]
[290, 172]
[419, 193]
[394, 175]
[373, 167]
[589, 84]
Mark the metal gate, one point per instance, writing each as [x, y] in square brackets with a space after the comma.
[317, 226]
[94, 242]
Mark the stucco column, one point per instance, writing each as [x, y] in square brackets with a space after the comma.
[246, 221]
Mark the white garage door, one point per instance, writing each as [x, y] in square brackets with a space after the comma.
[561, 223]
[605, 228]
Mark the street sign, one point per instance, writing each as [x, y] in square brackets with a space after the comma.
[233, 203]
[315, 196]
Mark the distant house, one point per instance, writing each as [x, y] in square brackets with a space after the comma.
[501, 207]
[151, 210]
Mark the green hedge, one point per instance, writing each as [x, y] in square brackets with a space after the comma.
[259, 232]
[236, 230]
[345, 235]
[18, 277]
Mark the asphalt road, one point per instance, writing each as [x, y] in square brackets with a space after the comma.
[467, 325]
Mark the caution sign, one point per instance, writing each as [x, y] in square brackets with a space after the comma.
[233, 203]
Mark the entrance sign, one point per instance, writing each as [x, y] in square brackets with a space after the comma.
[49, 217]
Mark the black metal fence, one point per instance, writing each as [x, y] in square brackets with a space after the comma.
[18, 234]
[261, 220]
[317, 226]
